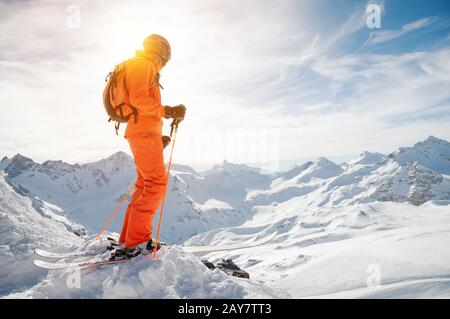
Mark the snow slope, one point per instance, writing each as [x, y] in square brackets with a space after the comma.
[336, 252]
[22, 229]
[174, 274]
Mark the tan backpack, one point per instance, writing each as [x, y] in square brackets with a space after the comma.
[116, 98]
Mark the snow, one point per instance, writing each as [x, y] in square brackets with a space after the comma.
[214, 203]
[367, 158]
[299, 181]
[433, 153]
[330, 252]
[22, 229]
[374, 227]
[175, 274]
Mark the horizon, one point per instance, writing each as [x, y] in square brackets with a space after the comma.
[203, 169]
[329, 81]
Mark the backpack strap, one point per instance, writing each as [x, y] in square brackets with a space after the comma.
[134, 109]
[117, 126]
[148, 58]
[135, 114]
[112, 81]
[158, 75]
[107, 76]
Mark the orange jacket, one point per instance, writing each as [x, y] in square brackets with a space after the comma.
[144, 94]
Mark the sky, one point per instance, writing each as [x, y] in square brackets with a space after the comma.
[267, 83]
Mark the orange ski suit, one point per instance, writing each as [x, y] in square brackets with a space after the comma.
[144, 138]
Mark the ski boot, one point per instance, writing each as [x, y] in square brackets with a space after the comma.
[151, 245]
[113, 244]
[130, 252]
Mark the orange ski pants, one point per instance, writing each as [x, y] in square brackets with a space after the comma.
[149, 159]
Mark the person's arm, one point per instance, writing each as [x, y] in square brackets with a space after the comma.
[143, 74]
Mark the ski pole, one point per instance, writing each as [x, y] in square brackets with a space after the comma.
[174, 125]
[116, 210]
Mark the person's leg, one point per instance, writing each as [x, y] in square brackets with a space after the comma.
[148, 157]
[139, 186]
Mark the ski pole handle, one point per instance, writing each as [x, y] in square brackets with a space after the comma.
[174, 125]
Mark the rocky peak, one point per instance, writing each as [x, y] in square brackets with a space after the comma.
[18, 164]
[433, 153]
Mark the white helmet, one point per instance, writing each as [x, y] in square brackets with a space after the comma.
[158, 45]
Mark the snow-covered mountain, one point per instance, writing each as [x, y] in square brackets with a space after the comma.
[298, 181]
[23, 229]
[377, 228]
[334, 223]
[87, 194]
[83, 193]
[398, 177]
[433, 153]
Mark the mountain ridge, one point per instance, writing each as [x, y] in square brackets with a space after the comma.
[87, 193]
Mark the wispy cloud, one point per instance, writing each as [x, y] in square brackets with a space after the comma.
[382, 36]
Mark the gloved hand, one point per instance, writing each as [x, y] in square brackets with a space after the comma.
[165, 141]
[175, 112]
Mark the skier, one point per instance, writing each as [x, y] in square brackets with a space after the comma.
[144, 136]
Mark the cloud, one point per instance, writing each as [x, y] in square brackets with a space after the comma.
[51, 76]
[253, 65]
[378, 37]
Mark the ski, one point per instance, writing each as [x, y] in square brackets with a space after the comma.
[74, 254]
[54, 266]
[56, 255]
[76, 266]
[83, 265]
[227, 266]
[189, 249]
